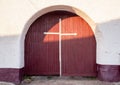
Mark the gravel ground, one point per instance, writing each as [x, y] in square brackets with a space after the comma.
[41, 80]
[6, 83]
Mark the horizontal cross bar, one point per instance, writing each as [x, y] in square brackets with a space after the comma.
[57, 33]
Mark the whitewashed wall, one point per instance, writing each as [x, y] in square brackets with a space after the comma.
[17, 15]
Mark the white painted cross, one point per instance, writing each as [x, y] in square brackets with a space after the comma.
[60, 35]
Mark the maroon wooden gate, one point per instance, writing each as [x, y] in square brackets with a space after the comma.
[78, 52]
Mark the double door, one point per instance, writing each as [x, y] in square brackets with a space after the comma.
[60, 43]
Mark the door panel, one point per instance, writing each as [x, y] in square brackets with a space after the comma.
[42, 51]
[79, 51]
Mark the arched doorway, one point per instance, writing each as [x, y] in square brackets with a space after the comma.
[60, 43]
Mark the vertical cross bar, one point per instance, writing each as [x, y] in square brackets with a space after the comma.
[60, 42]
[60, 51]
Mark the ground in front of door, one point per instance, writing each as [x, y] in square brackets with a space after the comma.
[40, 80]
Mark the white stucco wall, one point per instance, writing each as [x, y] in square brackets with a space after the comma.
[17, 15]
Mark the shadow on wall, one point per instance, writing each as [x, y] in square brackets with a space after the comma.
[108, 41]
[11, 52]
[8, 50]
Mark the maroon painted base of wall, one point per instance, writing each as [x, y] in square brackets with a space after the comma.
[11, 75]
[110, 73]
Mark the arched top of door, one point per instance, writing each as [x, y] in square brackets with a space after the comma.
[56, 8]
